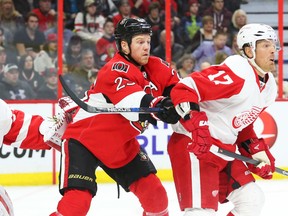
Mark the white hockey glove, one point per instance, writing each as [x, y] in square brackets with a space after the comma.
[67, 104]
[6, 206]
[53, 129]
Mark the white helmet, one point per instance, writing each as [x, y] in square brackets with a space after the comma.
[251, 33]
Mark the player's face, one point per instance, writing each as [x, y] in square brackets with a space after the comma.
[265, 55]
[140, 48]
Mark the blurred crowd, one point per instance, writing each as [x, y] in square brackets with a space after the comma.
[202, 33]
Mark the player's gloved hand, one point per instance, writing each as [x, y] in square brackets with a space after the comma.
[167, 113]
[197, 123]
[53, 129]
[259, 150]
[67, 104]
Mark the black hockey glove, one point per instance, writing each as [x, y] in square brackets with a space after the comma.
[167, 113]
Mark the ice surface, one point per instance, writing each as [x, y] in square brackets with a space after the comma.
[42, 200]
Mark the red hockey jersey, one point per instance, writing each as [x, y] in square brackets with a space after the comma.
[112, 137]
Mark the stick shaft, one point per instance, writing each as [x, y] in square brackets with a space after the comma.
[248, 160]
[92, 109]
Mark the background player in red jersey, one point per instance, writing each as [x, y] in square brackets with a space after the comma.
[132, 78]
[218, 107]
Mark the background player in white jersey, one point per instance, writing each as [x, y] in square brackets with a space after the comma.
[25, 131]
[218, 107]
[132, 78]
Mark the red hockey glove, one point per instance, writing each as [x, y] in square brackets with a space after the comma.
[258, 150]
[167, 113]
[198, 126]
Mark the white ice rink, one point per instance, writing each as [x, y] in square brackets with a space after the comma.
[42, 200]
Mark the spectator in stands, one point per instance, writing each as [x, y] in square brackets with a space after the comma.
[48, 91]
[239, 19]
[219, 57]
[10, 52]
[10, 20]
[232, 5]
[73, 52]
[140, 7]
[185, 65]
[108, 8]
[71, 8]
[175, 27]
[92, 76]
[67, 33]
[204, 65]
[89, 23]
[177, 50]
[78, 79]
[234, 46]
[35, 3]
[47, 58]
[174, 6]
[3, 58]
[190, 23]
[46, 14]
[29, 38]
[205, 33]
[11, 88]
[106, 46]
[23, 6]
[207, 50]
[124, 11]
[154, 19]
[221, 15]
[28, 74]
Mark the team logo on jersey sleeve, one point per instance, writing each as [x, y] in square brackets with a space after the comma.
[120, 67]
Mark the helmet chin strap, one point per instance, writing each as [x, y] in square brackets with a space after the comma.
[129, 57]
[252, 61]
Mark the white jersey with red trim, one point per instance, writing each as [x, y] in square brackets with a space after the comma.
[20, 129]
[112, 137]
[231, 94]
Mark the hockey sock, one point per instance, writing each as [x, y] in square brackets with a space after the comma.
[152, 195]
[75, 203]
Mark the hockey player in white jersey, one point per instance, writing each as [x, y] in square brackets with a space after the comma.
[218, 107]
[26, 131]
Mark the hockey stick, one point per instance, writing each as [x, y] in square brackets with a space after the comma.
[92, 109]
[248, 160]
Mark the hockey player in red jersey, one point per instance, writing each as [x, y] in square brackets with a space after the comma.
[218, 107]
[132, 78]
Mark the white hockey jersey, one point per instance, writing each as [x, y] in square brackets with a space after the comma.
[231, 94]
[20, 129]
